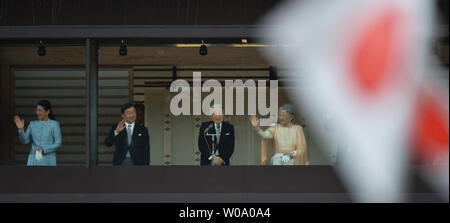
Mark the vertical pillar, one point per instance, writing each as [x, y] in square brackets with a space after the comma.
[91, 102]
[9, 132]
[197, 124]
[167, 133]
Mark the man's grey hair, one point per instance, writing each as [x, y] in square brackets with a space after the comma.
[214, 107]
[289, 108]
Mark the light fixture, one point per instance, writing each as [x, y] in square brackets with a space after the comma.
[244, 41]
[203, 50]
[187, 45]
[41, 49]
[123, 49]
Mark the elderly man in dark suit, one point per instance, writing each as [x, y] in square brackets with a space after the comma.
[216, 150]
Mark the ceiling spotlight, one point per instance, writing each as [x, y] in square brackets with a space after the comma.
[123, 49]
[41, 49]
[203, 50]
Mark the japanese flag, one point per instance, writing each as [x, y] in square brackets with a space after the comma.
[430, 135]
[362, 60]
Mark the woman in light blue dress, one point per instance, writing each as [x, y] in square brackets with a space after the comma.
[44, 135]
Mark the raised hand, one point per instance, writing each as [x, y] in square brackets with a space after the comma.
[120, 126]
[254, 121]
[20, 123]
[218, 161]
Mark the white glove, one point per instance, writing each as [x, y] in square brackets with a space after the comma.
[293, 153]
[39, 156]
[285, 158]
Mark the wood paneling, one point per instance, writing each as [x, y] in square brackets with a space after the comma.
[66, 86]
[109, 115]
[142, 55]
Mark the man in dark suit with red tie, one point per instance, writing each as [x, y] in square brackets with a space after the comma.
[216, 150]
[131, 139]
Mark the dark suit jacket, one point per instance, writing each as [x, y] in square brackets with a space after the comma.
[225, 147]
[139, 148]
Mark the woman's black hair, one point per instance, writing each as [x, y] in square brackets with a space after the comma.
[47, 106]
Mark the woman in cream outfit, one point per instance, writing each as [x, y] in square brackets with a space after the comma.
[283, 143]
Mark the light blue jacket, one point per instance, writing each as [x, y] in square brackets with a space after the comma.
[45, 135]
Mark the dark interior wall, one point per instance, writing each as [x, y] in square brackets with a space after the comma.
[146, 12]
[442, 7]
[78, 184]
[5, 115]
[133, 12]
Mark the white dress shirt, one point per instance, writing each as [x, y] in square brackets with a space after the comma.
[127, 126]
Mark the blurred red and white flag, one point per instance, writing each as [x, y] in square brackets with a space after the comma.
[363, 61]
[430, 135]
